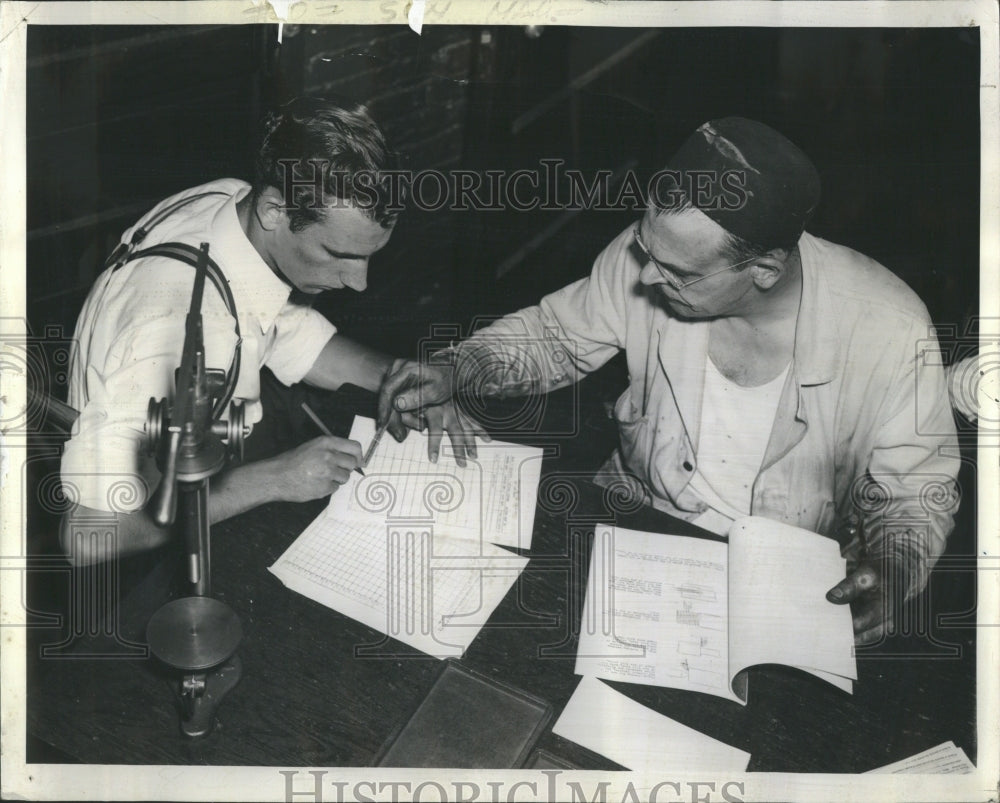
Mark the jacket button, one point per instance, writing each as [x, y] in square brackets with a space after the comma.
[687, 465]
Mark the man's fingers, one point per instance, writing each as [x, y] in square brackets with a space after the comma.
[840, 593]
[463, 438]
[870, 610]
[403, 379]
[862, 580]
[335, 445]
[396, 426]
[386, 398]
[461, 444]
[434, 432]
[408, 401]
[872, 635]
[414, 421]
[407, 391]
[347, 459]
[339, 476]
[433, 444]
[384, 406]
[869, 615]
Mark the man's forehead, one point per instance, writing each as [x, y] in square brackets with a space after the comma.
[687, 237]
[343, 223]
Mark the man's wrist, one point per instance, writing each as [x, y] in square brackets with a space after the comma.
[245, 487]
[392, 365]
[466, 366]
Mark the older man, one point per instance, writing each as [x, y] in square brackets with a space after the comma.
[772, 373]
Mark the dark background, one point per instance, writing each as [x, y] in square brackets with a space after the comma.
[120, 117]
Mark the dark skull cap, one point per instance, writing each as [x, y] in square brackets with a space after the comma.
[748, 178]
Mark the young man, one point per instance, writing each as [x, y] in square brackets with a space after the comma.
[771, 372]
[130, 333]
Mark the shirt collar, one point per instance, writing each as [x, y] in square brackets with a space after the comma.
[258, 292]
[817, 338]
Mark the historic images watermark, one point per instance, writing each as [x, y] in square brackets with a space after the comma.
[549, 187]
[313, 786]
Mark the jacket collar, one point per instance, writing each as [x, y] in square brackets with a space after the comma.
[817, 356]
[682, 350]
[682, 346]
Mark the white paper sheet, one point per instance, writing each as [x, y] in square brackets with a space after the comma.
[607, 722]
[434, 594]
[778, 611]
[410, 548]
[491, 498]
[945, 758]
[655, 612]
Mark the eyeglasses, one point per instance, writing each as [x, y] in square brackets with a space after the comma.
[668, 274]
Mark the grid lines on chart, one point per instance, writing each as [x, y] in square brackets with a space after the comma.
[339, 555]
[401, 484]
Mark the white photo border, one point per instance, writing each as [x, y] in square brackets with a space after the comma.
[84, 782]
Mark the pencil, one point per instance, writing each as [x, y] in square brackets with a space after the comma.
[323, 428]
[371, 447]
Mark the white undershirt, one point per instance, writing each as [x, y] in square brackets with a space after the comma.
[736, 425]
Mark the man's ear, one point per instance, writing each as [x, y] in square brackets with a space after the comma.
[768, 270]
[271, 212]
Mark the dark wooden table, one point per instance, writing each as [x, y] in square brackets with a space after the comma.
[312, 694]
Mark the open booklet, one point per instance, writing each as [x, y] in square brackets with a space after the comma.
[411, 548]
[690, 613]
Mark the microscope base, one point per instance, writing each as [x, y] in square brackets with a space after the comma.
[202, 692]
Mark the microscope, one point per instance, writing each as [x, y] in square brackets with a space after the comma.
[195, 634]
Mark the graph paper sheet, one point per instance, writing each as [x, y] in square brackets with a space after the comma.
[432, 593]
[410, 548]
[491, 498]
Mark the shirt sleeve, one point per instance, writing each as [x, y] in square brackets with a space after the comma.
[570, 333]
[105, 464]
[911, 495]
[300, 333]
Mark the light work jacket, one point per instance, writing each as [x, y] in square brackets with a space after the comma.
[863, 436]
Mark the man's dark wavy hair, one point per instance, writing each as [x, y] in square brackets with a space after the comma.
[338, 138]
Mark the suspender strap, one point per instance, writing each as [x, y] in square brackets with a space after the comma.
[190, 255]
[125, 252]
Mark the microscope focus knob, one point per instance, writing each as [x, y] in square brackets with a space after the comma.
[233, 431]
[156, 423]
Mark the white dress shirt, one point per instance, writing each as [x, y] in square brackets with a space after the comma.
[130, 336]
